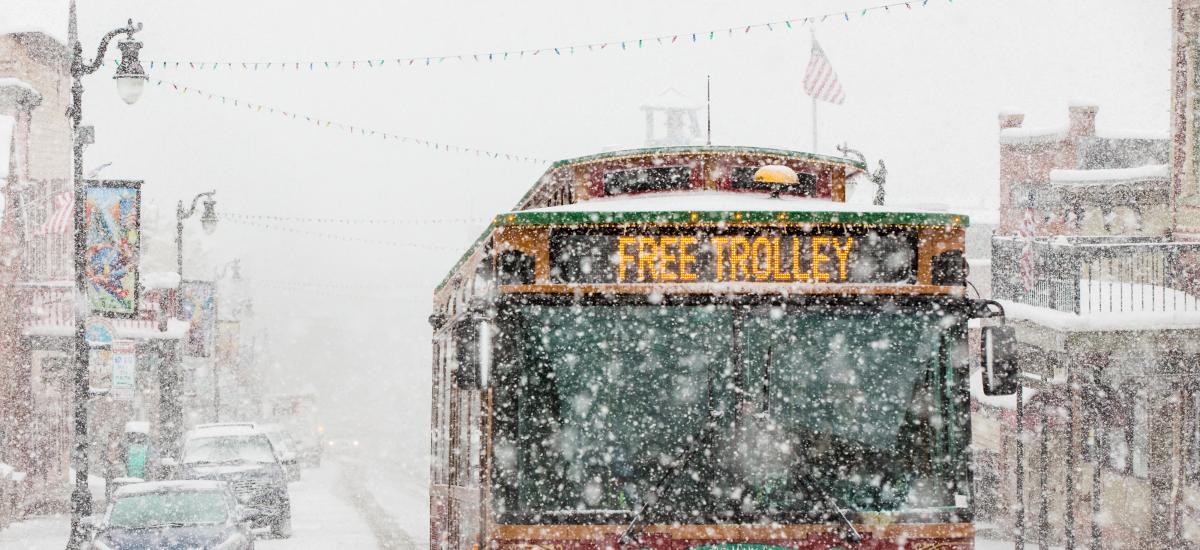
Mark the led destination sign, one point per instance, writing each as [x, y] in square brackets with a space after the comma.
[767, 256]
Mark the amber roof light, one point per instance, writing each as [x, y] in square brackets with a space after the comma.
[776, 173]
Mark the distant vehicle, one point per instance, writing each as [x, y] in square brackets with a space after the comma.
[297, 413]
[343, 446]
[245, 458]
[285, 449]
[173, 514]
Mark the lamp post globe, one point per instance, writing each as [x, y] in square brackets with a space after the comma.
[209, 219]
[130, 77]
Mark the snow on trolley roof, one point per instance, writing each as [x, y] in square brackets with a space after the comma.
[708, 149]
[717, 206]
[170, 486]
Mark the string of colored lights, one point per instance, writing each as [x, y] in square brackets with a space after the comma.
[623, 45]
[345, 238]
[335, 285]
[357, 221]
[351, 128]
[365, 295]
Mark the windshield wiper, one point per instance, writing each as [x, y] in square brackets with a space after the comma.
[677, 463]
[160, 525]
[849, 534]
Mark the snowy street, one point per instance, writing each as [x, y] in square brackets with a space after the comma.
[324, 515]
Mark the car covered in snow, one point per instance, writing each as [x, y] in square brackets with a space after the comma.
[285, 449]
[244, 457]
[173, 514]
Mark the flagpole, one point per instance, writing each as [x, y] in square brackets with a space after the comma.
[814, 124]
[812, 32]
[708, 109]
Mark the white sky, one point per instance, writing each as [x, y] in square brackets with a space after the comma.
[923, 89]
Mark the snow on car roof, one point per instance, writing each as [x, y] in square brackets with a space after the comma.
[222, 431]
[222, 424]
[170, 486]
[717, 201]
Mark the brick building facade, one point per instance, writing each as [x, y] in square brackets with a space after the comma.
[36, 294]
[1097, 262]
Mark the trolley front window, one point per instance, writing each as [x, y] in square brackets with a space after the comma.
[778, 404]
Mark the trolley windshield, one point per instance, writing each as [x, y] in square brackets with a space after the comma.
[764, 408]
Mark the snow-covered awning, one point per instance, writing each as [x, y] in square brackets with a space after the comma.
[159, 280]
[1110, 176]
[1103, 321]
[13, 92]
[123, 329]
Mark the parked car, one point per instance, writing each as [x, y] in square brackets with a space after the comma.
[243, 457]
[285, 449]
[172, 514]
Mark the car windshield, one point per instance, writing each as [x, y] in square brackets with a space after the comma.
[781, 403]
[164, 509]
[228, 449]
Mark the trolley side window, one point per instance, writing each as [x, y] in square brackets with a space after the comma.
[639, 180]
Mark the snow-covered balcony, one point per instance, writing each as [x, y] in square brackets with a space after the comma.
[1098, 283]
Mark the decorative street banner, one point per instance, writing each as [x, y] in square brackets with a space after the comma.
[198, 301]
[124, 369]
[112, 241]
[227, 345]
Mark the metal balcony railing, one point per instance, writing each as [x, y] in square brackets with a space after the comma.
[1084, 275]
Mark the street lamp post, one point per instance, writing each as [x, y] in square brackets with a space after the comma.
[208, 220]
[130, 79]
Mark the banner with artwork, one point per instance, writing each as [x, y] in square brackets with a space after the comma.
[227, 341]
[112, 241]
[198, 306]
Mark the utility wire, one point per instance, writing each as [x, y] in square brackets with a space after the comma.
[624, 44]
[357, 221]
[349, 128]
[345, 238]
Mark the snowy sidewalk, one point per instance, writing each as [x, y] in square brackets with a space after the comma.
[44, 532]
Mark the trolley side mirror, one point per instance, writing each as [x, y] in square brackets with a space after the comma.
[472, 353]
[999, 359]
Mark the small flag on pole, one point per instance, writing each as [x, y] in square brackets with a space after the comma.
[1027, 231]
[820, 81]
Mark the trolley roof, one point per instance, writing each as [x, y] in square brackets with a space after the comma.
[717, 206]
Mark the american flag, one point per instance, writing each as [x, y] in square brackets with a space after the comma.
[820, 81]
[60, 220]
[1027, 230]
